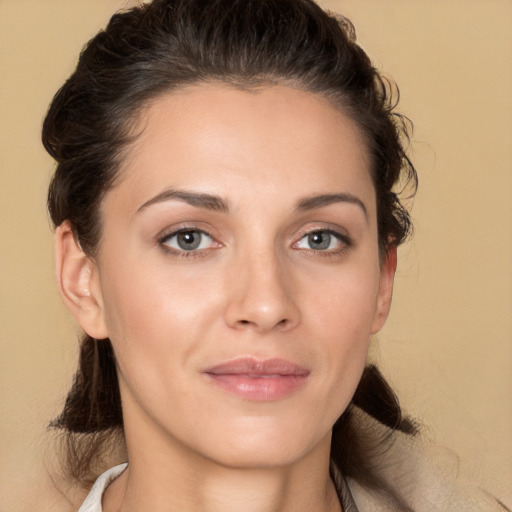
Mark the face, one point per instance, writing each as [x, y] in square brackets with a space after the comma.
[238, 275]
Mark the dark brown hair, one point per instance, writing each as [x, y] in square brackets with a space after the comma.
[167, 44]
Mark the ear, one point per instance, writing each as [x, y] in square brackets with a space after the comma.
[385, 294]
[78, 283]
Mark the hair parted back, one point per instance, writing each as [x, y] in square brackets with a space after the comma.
[165, 45]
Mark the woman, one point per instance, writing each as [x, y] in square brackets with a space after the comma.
[226, 234]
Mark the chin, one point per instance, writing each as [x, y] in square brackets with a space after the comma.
[270, 446]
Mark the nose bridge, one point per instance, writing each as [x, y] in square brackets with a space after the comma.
[261, 291]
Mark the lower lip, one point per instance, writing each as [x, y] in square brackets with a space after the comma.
[259, 388]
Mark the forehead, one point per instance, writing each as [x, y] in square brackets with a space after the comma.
[220, 139]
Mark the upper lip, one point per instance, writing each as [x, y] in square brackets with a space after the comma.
[257, 367]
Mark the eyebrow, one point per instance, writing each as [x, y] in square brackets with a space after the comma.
[201, 200]
[318, 201]
[216, 203]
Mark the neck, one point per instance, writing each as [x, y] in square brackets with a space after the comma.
[159, 480]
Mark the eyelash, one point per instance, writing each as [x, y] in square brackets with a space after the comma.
[194, 253]
[342, 238]
[183, 253]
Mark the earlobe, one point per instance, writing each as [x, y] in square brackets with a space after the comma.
[78, 282]
[385, 295]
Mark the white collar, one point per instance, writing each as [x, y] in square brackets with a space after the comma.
[93, 501]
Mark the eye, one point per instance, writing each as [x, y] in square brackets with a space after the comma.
[188, 240]
[322, 240]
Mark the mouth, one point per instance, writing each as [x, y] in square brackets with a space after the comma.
[258, 380]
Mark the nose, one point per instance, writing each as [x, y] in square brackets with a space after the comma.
[260, 295]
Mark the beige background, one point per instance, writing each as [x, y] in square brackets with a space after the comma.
[448, 345]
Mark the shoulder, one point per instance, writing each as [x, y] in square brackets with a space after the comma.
[93, 501]
[424, 478]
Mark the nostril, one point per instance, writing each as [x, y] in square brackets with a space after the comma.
[282, 322]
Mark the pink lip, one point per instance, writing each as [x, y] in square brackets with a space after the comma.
[254, 379]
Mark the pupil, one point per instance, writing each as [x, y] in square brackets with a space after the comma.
[189, 240]
[319, 240]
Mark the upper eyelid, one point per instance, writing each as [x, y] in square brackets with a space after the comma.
[174, 232]
[183, 227]
[340, 232]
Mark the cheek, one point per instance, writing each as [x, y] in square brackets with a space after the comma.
[155, 315]
[342, 318]
[346, 302]
[139, 295]
[153, 326]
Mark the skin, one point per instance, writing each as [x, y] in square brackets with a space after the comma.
[257, 286]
